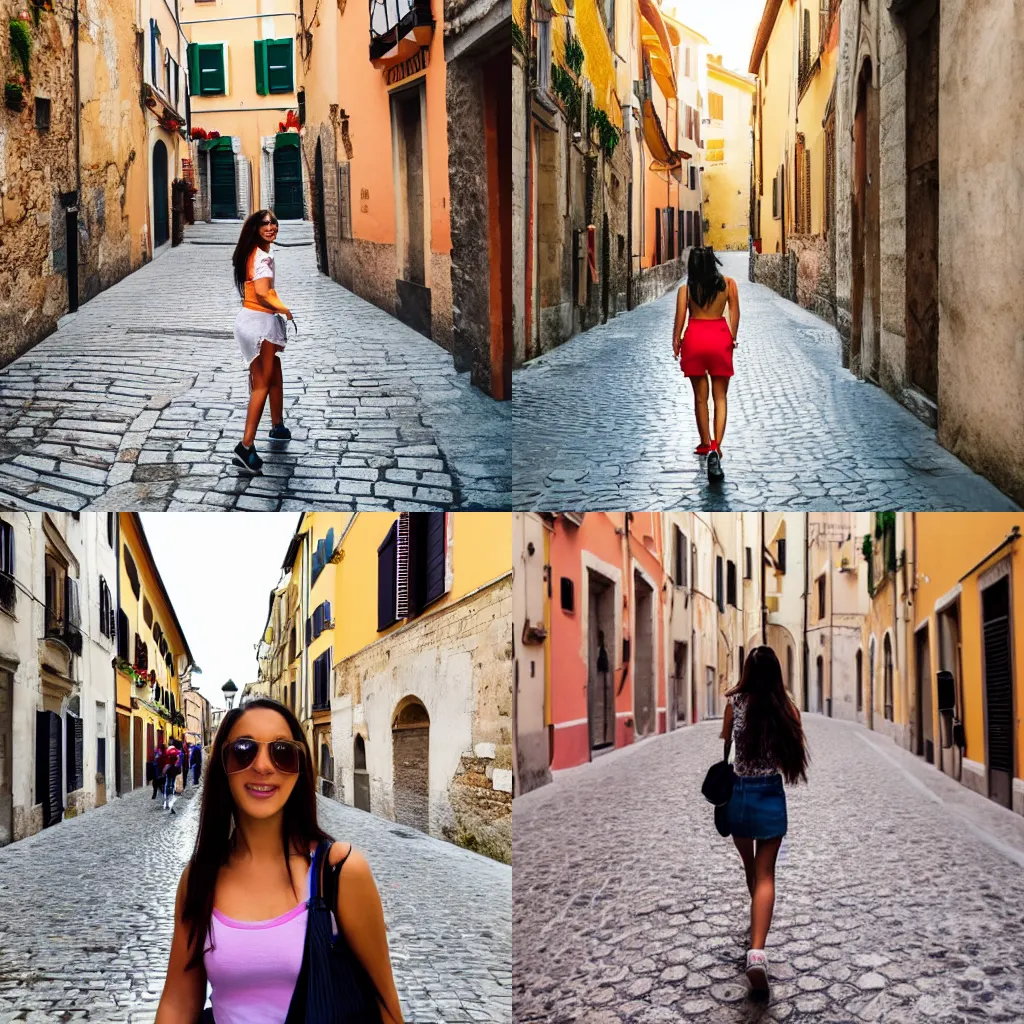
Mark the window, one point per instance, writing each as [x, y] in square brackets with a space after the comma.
[568, 592]
[42, 105]
[716, 107]
[748, 564]
[820, 584]
[132, 573]
[207, 64]
[719, 589]
[322, 681]
[730, 583]
[780, 555]
[681, 549]
[8, 590]
[273, 59]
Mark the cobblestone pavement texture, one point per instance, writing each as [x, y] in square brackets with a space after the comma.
[87, 915]
[606, 421]
[138, 399]
[899, 893]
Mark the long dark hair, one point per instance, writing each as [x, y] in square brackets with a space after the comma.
[702, 276]
[773, 726]
[218, 834]
[247, 241]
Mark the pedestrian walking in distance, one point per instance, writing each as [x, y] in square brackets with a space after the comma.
[158, 768]
[246, 896]
[196, 760]
[705, 344]
[173, 760]
[260, 331]
[770, 747]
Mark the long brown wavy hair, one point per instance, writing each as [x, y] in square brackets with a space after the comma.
[772, 728]
[248, 239]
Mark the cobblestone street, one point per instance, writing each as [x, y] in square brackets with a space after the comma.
[137, 401]
[899, 893]
[87, 909]
[606, 421]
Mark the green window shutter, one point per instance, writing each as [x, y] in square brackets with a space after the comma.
[260, 57]
[211, 68]
[279, 65]
[193, 68]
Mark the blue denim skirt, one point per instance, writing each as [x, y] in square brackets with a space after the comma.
[757, 808]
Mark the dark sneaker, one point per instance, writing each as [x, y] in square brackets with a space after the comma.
[279, 432]
[715, 465]
[247, 458]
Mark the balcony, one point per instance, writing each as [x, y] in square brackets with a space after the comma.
[398, 30]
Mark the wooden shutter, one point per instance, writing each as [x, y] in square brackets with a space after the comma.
[435, 555]
[387, 572]
[260, 59]
[403, 558]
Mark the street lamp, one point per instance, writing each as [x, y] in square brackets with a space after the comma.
[229, 689]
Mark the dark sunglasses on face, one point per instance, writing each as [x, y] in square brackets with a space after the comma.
[285, 755]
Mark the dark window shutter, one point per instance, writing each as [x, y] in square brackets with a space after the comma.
[260, 57]
[387, 571]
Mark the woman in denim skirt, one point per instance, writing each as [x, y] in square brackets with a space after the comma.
[770, 747]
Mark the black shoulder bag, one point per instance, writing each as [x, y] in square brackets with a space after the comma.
[333, 986]
[717, 788]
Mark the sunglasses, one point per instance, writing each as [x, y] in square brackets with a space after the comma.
[285, 755]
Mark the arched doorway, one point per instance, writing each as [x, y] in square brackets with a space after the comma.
[866, 312]
[321, 224]
[287, 179]
[410, 742]
[360, 776]
[160, 198]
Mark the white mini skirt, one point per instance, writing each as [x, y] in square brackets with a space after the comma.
[253, 327]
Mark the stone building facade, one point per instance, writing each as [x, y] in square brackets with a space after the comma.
[73, 188]
[422, 723]
[925, 311]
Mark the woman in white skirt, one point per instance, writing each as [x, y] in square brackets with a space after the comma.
[260, 333]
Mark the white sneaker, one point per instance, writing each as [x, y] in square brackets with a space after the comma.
[757, 972]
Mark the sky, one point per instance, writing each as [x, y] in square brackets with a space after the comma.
[219, 571]
[729, 25]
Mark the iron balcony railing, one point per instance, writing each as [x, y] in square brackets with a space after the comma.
[390, 20]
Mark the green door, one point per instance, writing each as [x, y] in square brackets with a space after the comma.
[222, 184]
[287, 183]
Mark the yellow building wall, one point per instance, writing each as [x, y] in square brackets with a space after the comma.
[948, 545]
[481, 551]
[727, 183]
[245, 114]
[778, 92]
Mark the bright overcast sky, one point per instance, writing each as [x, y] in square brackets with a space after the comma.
[219, 571]
[730, 25]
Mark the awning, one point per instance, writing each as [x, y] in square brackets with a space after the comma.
[655, 40]
[287, 139]
[224, 142]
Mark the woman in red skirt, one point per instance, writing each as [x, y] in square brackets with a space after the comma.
[705, 348]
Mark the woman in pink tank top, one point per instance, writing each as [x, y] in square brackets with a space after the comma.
[240, 912]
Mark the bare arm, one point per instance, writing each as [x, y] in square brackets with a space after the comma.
[361, 917]
[184, 991]
[682, 305]
[733, 295]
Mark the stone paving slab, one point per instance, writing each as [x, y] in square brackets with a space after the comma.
[899, 893]
[138, 399]
[86, 915]
[606, 421]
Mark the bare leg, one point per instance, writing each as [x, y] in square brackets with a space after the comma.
[746, 849]
[763, 903]
[700, 404]
[276, 394]
[260, 371]
[719, 387]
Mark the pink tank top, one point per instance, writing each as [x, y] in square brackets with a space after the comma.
[254, 965]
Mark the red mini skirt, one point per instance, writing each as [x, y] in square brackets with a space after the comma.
[707, 348]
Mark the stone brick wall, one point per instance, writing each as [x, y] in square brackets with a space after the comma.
[458, 662]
